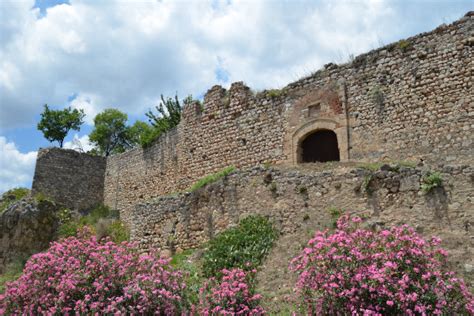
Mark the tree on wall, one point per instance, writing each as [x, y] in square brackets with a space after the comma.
[56, 124]
[111, 133]
[169, 113]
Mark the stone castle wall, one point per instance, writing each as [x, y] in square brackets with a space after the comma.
[409, 100]
[299, 202]
[73, 179]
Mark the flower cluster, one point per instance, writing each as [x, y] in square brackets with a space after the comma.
[85, 276]
[231, 295]
[391, 272]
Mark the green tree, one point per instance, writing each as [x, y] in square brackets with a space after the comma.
[143, 133]
[56, 124]
[111, 133]
[169, 114]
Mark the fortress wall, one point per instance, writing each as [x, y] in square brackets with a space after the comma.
[299, 201]
[409, 100]
[73, 179]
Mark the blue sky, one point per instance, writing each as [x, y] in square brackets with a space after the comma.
[93, 55]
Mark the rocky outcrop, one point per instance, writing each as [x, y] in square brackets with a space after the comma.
[26, 227]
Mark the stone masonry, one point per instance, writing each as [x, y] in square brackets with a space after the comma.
[300, 201]
[73, 179]
[409, 100]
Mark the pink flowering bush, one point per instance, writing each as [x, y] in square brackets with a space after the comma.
[232, 295]
[391, 272]
[84, 276]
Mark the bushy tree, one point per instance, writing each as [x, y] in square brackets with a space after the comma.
[169, 114]
[143, 133]
[56, 124]
[111, 133]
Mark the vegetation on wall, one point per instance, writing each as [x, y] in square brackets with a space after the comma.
[431, 181]
[275, 93]
[56, 124]
[211, 178]
[12, 196]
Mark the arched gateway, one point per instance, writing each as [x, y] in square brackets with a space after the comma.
[319, 146]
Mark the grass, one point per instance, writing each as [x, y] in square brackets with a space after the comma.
[335, 214]
[372, 166]
[192, 273]
[404, 45]
[12, 272]
[395, 165]
[12, 196]
[211, 178]
[275, 93]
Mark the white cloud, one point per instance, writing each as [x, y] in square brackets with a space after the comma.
[16, 168]
[125, 53]
[81, 144]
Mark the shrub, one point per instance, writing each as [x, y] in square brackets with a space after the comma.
[432, 180]
[244, 246]
[275, 93]
[117, 231]
[212, 178]
[391, 272]
[101, 220]
[85, 276]
[232, 295]
[11, 196]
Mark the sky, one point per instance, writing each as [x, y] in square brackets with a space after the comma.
[98, 54]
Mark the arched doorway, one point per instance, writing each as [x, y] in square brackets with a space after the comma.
[319, 146]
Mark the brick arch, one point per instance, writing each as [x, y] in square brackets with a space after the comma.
[316, 125]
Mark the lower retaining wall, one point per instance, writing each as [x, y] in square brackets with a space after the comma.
[298, 201]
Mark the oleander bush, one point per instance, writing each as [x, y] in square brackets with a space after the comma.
[391, 272]
[233, 294]
[85, 276]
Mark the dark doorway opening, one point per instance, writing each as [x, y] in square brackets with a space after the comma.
[320, 146]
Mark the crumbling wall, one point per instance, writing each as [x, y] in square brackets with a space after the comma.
[73, 179]
[408, 100]
[301, 201]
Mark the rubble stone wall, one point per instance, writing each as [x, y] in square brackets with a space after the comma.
[73, 179]
[409, 100]
[301, 201]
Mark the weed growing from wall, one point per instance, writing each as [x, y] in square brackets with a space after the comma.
[366, 184]
[430, 181]
[211, 178]
[12, 196]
